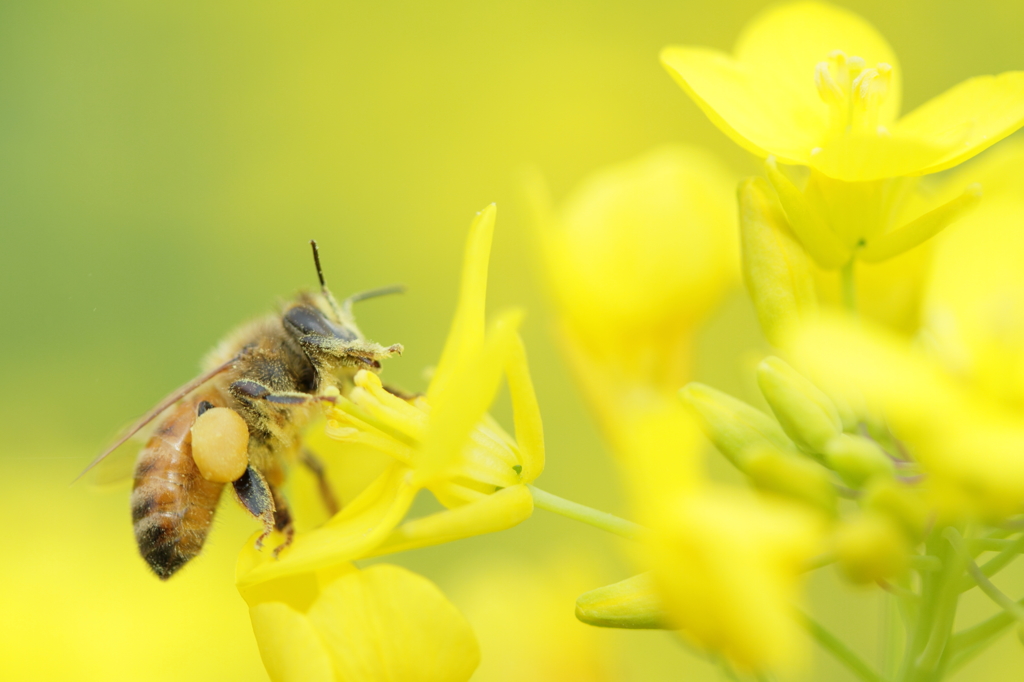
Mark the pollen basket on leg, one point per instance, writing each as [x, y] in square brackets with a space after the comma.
[854, 92]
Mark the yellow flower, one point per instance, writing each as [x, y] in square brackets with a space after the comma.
[725, 565]
[381, 624]
[814, 85]
[727, 568]
[636, 257]
[444, 442]
[956, 396]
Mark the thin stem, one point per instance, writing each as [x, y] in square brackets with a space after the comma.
[993, 592]
[583, 514]
[848, 287]
[996, 563]
[840, 651]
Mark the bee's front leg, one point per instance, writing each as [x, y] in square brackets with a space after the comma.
[256, 496]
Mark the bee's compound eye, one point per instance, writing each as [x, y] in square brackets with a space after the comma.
[220, 445]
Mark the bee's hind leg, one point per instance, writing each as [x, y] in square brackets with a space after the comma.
[258, 498]
[314, 464]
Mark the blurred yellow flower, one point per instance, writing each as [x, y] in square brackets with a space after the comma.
[444, 442]
[956, 397]
[815, 85]
[377, 625]
[725, 564]
[727, 568]
[636, 257]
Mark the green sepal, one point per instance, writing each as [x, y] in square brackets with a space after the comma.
[732, 425]
[806, 414]
[631, 604]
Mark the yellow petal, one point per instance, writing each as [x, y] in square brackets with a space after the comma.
[975, 114]
[386, 624]
[789, 40]
[863, 157]
[765, 97]
[348, 536]
[491, 513]
[472, 382]
[526, 413]
[726, 568]
[291, 649]
[466, 335]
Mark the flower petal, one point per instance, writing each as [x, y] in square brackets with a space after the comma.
[748, 106]
[491, 513]
[789, 40]
[348, 536]
[765, 97]
[386, 624]
[289, 645]
[973, 115]
[472, 381]
[466, 336]
[864, 157]
[526, 413]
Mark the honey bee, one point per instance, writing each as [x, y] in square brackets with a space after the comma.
[259, 387]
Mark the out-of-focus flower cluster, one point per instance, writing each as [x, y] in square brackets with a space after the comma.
[891, 443]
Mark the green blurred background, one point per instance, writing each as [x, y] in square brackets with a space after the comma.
[162, 166]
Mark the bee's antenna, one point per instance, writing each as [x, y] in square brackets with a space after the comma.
[323, 284]
[346, 305]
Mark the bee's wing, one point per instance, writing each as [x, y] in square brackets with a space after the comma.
[174, 397]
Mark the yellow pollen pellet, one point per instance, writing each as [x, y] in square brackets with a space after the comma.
[220, 445]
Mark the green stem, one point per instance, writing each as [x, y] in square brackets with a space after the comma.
[993, 592]
[583, 514]
[849, 288]
[996, 563]
[842, 653]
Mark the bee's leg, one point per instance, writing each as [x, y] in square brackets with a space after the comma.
[256, 496]
[254, 390]
[282, 520]
[313, 463]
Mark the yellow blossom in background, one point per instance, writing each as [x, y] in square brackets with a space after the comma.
[636, 257]
[382, 624]
[814, 85]
[954, 397]
[443, 442]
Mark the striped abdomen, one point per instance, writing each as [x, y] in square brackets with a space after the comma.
[172, 504]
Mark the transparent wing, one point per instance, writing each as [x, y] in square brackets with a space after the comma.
[174, 397]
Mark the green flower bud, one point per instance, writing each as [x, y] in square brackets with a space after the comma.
[792, 476]
[901, 503]
[776, 269]
[806, 414]
[630, 604]
[732, 425]
[857, 459]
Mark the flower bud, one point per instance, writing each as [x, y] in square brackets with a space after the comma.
[732, 425]
[630, 604]
[792, 476]
[871, 547]
[857, 459]
[776, 269]
[901, 503]
[807, 415]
